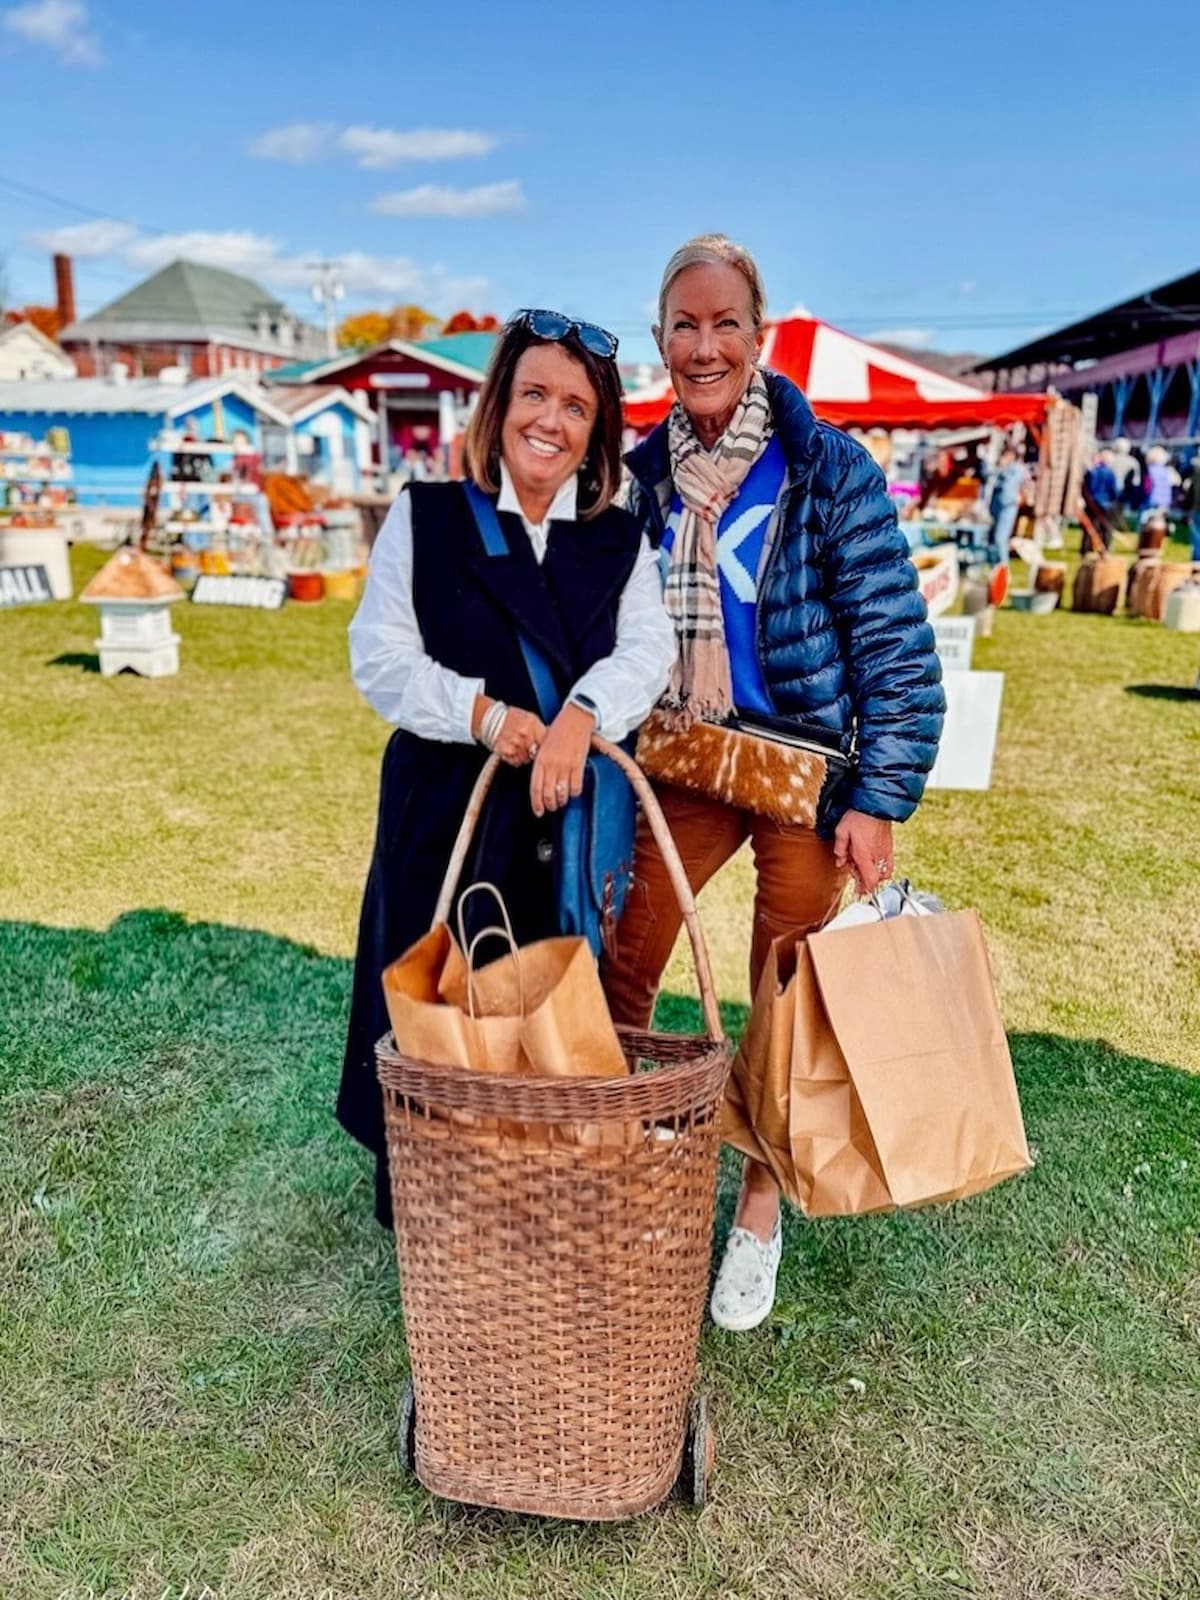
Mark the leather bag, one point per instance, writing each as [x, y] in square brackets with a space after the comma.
[760, 764]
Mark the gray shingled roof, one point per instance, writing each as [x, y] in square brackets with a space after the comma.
[188, 291]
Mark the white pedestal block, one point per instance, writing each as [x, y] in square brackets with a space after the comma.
[159, 660]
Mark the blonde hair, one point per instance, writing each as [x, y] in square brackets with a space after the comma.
[712, 250]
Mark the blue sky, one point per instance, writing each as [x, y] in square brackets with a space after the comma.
[966, 173]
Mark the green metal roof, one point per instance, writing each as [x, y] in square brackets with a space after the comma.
[189, 292]
[472, 350]
[293, 372]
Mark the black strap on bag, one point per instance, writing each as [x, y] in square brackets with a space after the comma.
[595, 843]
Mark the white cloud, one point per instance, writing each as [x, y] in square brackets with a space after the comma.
[389, 147]
[235, 250]
[297, 142]
[914, 338]
[60, 25]
[437, 200]
[968, 286]
[86, 240]
[263, 258]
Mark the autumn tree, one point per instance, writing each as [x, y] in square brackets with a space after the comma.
[45, 319]
[412, 322]
[366, 329]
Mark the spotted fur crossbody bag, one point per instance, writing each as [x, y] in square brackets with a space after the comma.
[759, 764]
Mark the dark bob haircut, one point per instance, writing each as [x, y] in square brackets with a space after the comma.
[600, 474]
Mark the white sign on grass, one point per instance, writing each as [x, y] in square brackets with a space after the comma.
[969, 738]
[955, 641]
[239, 589]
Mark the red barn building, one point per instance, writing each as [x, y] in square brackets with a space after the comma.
[204, 319]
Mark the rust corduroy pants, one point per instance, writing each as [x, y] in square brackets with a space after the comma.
[797, 889]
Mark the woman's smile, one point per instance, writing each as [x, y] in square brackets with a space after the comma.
[545, 433]
[541, 447]
[710, 343]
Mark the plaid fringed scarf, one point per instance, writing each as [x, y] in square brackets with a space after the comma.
[701, 684]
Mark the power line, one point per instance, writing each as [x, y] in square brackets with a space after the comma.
[29, 191]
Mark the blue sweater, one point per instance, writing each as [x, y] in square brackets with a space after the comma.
[842, 636]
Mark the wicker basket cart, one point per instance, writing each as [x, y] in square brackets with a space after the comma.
[553, 1286]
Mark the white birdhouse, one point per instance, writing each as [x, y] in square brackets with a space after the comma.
[134, 594]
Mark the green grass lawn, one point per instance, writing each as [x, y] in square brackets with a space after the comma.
[200, 1339]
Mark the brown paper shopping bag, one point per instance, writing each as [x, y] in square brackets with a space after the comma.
[913, 1006]
[875, 1071]
[754, 1116]
[538, 1011]
[790, 1102]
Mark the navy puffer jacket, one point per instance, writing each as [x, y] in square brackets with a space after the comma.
[843, 639]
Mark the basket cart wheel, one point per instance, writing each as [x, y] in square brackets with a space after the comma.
[699, 1455]
[406, 1427]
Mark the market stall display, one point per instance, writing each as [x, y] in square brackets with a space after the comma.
[211, 517]
[210, 512]
[36, 488]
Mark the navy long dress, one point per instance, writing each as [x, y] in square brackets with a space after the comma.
[469, 607]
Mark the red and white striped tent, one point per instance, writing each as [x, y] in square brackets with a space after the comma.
[854, 384]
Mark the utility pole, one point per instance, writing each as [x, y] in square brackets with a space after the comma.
[327, 290]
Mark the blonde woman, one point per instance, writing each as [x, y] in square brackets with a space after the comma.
[793, 599]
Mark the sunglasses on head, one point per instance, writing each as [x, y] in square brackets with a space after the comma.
[553, 326]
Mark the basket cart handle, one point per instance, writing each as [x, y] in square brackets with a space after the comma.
[662, 837]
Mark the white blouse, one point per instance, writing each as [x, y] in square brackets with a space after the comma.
[406, 686]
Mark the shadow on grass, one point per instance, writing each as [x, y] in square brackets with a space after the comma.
[192, 1018]
[1161, 691]
[76, 658]
[184, 1205]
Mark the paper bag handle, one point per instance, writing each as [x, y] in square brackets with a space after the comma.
[662, 837]
[494, 931]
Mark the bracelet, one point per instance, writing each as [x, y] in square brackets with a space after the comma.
[493, 721]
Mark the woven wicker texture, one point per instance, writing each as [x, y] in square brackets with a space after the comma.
[553, 1291]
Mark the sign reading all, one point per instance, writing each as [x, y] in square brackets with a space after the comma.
[24, 586]
[261, 594]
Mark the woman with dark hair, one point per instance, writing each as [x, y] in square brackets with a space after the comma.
[436, 649]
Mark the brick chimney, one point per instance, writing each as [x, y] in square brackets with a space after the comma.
[64, 290]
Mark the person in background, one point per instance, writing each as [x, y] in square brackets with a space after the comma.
[1127, 470]
[1004, 499]
[793, 597]
[1193, 505]
[1133, 491]
[1159, 481]
[1101, 492]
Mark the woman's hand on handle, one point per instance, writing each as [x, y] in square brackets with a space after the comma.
[558, 769]
[520, 735]
[864, 844]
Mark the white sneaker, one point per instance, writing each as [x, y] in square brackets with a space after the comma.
[744, 1292]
